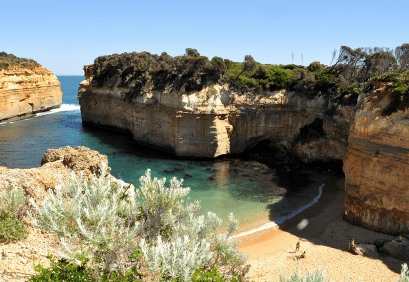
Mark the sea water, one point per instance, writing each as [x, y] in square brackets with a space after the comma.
[254, 192]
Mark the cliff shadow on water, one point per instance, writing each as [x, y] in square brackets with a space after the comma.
[261, 185]
[301, 181]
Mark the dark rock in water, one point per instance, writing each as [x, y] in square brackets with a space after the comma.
[188, 175]
[208, 168]
[203, 164]
[379, 243]
[179, 169]
[167, 171]
[398, 250]
[211, 178]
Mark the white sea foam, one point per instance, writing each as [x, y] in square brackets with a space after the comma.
[63, 108]
[282, 219]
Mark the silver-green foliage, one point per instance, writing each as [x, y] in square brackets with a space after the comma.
[403, 274]
[12, 201]
[318, 276]
[101, 219]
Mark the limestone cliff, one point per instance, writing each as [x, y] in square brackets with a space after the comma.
[26, 90]
[372, 136]
[376, 166]
[218, 120]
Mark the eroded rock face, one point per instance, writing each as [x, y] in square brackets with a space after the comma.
[218, 120]
[36, 181]
[376, 168]
[25, 91]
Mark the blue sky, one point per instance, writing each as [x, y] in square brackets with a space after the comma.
[64, 36]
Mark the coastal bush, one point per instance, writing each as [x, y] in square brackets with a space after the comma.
[144, 72]
[314, 66]
[11, 229]
[102, 223]
[64, 270]
[7, 60]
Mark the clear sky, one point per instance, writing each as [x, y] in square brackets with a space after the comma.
[64, 36]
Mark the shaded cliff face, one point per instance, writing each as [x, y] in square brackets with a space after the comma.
[376, 166]
[218, 120]
[25, 91]
[371, 137]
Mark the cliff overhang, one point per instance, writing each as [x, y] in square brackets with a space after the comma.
[366, 130]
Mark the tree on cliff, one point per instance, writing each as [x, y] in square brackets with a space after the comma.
[402, 56]
[249, 64]
[192, 52]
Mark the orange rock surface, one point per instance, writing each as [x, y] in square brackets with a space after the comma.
[25, 91]
[376, 167]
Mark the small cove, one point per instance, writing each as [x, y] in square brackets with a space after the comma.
[255, 192]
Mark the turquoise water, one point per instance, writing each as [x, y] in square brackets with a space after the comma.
[249, 189]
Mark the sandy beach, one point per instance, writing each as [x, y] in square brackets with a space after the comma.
[325, 240]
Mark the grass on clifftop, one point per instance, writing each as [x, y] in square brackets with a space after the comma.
[7, 60]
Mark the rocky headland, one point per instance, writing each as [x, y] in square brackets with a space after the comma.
[198, 108]
[26, 88]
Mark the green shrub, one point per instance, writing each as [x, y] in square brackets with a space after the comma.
[314, 66]
[7, 60]
[399, 91]
[11, 229]
[64, 270]
[277, 77]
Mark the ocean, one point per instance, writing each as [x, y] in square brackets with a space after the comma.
[256, 193]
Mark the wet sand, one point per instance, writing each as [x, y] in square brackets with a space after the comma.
[324, 238]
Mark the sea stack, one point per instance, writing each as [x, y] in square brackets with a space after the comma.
[26, 88]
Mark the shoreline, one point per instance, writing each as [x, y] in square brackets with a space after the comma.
[324, 236]
[264, 224]
[281, 220]
[328, 193]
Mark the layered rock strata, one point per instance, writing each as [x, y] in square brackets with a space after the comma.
[218, 120]
[376, 167]
[25, 91]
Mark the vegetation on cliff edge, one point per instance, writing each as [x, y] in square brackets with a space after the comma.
[7, 60]
[343, 81]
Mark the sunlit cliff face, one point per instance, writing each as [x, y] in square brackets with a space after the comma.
[25, 91]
